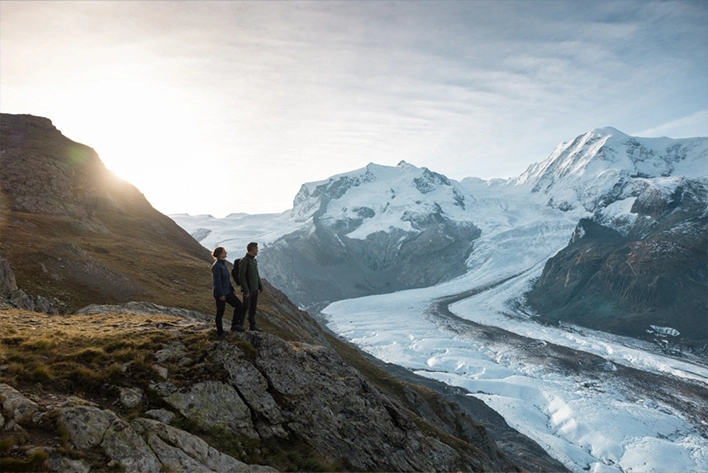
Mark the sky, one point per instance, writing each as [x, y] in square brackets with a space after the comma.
[219, 107]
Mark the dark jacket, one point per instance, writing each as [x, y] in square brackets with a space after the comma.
[248, 275]
[221, 281]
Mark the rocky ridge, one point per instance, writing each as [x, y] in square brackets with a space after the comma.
[262, 390]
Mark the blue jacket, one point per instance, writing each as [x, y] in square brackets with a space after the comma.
[221, 280]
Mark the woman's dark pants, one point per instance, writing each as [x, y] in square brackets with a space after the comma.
[237, 319]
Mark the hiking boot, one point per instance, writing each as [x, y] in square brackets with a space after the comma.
[220, 334]
[238, 328]
[254, 328]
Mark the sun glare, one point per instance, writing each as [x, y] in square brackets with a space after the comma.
[145, 135]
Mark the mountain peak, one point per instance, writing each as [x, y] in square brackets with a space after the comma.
[380, 189]
[607, 131]
[583, 171]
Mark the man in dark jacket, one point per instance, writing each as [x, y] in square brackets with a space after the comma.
[251, 284]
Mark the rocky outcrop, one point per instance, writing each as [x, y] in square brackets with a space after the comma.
[140, 446]
[12, 296]
[649, 272]
[276, 389]
[264, 391]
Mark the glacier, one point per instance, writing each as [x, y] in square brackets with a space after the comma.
[595, 401]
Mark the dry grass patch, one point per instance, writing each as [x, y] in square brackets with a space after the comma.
[85, 354]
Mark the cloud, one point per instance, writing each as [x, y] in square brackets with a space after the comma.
[298, 91]
[690, 126]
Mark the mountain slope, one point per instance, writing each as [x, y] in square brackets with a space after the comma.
[68, 222]
[80, 235]
[638, 261]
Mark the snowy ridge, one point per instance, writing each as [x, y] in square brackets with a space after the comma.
[235, 231]
[379, 198]
[605, 165]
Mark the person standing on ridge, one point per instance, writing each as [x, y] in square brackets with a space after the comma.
[251, 284]
[224, 292]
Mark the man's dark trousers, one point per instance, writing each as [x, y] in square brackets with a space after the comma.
[250, 302]
[237, 319]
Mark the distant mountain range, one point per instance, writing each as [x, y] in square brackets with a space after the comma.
[630, 214]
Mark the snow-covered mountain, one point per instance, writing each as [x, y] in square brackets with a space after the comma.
[374, 230]
[565, 237]
[639, 258]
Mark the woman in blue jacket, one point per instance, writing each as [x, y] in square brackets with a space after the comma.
[224, 292]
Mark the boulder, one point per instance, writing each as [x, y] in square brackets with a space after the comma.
[127, 448]
[214, 404]
[249, 382]
[163, 415]
[20, 408]
[86, 425]
[60, 464]
[183, 451]
[131, 397]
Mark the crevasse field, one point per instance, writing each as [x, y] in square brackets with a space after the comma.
[585, 425]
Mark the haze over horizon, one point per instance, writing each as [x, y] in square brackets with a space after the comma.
[222, 107]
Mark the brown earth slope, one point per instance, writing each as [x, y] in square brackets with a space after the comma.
[73, 230]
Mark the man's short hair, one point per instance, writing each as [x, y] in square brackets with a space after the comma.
[251, 246]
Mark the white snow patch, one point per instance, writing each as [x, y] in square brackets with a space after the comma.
[666, 330]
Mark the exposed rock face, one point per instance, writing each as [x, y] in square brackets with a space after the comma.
[141, 446]
[12, 296]
[308, 392]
